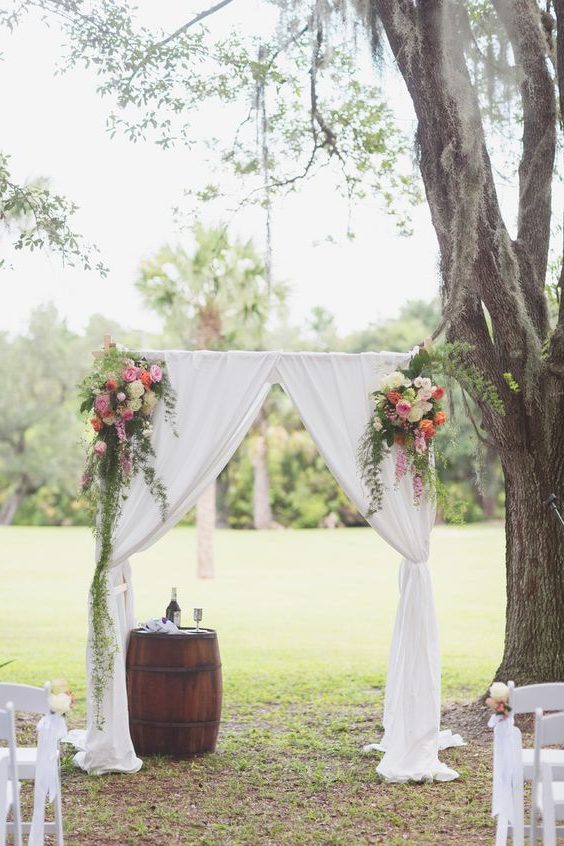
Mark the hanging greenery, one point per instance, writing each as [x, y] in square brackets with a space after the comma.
[119, 398]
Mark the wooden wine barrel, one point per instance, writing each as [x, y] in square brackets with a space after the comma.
[174, 688]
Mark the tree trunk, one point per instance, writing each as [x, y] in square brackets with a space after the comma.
[222, 499]
[534, 634]
[489, 484]
[262, 512]
[205, 525]
[10, 507]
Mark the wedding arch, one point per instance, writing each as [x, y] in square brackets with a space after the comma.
[219, 395]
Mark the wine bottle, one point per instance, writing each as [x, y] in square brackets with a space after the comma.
[173, 609]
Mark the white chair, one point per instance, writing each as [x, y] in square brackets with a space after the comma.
[526, 700]
[9, 785]
[547, 797]
[34, 700]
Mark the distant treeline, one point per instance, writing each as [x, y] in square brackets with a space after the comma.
[40, 430]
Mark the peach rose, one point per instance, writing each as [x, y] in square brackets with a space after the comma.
[96, 424]
[440, 418]
[426, 426]
[394, 397]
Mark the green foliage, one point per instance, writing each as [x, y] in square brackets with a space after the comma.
[40, 219]
[295, 99]
[450, 359]
[215, 295]
[511, 383]
[39, 432]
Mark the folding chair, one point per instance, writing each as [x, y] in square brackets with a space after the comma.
[35, 700]
[547, 797]
[9, 785]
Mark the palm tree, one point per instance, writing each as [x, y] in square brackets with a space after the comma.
[213, 296]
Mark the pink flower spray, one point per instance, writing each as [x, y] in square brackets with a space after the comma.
[401, 464]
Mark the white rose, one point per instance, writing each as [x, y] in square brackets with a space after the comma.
[416, 413]
[426, 383]
[391, 381]
[426, 406]
[418, 381]
[407, 383]
[499, 691]
[134, 404]
[135, 389]
[377, 424]
[60, 703]
[150, 399]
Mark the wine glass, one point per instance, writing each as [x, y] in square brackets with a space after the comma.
[197, 617]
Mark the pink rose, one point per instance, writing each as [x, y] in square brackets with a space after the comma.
[129, 374]
[102, 404]
[127, 414]
[100, 448]
[403, 408]
[155, 373]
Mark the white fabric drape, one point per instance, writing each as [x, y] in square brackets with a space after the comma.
[218, 397]
[331, 392]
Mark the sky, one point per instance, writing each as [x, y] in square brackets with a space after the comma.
[55, 126]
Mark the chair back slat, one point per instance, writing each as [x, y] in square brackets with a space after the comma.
[8, 733]
[25, 697]
[552, 730]
[525, 700]
[3, 799]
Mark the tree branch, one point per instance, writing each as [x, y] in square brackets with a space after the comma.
[158, 45]
[522, 21]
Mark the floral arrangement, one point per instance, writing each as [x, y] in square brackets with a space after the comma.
[119, 397]
[61, 699]
[407, 414]
[498, 700]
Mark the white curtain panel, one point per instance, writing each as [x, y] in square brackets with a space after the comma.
[332, 394]
[219, 396]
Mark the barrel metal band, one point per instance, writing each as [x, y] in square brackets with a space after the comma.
[202, 668]
[197, 724]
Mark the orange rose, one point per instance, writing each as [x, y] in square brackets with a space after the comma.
[111, 385]
[440, 418]
[96, 424]
[394, 397]
[146, 378]
[427, 428]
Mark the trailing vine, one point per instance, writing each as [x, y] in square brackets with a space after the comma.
[119, 397]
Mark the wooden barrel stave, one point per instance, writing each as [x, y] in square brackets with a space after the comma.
[174, 689]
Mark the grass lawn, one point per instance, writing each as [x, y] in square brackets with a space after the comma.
[304, 620]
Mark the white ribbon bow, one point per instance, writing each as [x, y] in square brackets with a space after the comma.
[507, 794]
[50, 730]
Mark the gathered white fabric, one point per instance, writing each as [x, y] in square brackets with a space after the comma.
[219, 395]
[51, 729]
[332, 395]
[160, 625]
[507, 790]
